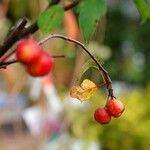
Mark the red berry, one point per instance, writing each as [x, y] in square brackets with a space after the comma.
[42, 67]
[115, 107]
[28, 51]
[102, 116]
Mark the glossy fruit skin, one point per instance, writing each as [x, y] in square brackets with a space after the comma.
[28, 51]
[42, 67]
[114, 107]
[102, 116]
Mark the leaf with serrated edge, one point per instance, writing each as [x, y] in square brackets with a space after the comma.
[85, 91]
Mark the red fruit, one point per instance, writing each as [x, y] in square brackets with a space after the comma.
[42, 67]
[114, 107]
[102, 116]
[28, 51]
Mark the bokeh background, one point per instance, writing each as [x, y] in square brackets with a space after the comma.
[39, 114]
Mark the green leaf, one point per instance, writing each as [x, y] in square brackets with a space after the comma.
[143, 8]
[90, 12]
[91, 64]
[49, 1]
[50, 19]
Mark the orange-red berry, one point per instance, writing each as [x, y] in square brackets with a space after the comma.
[42, 67]
[114, 107]
[28, 51]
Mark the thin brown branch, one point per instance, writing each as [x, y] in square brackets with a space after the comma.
[73, 41]
[101, 68]
[58, 56]
[5, 57]
[5, 64]
[13, 37]
[71, 5]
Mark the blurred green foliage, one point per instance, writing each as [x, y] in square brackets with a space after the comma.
[18, 8]
[143, 8]
[129, 41]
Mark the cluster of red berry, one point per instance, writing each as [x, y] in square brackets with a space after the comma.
[37, 61]
[113, 108]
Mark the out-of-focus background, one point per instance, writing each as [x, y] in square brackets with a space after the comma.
[39, 114]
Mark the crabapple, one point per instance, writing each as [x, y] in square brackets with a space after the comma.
[114, 107]
[28, 51]
[42, 67]
[102, 116]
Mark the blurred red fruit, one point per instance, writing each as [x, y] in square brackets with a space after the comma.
[42, 67]
[102, 116]
[28, 51]
[114, 107]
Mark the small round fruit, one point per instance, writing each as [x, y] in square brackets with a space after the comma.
[42, 67]
[28, 51]
[114, 107]
[102, 116]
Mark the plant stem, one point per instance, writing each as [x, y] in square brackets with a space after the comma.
[13, 37]
[5, 57]
[4, 64]
[58, 56]
[104, 74]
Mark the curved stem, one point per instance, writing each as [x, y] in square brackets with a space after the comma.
[104, 74]
[73, 41]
